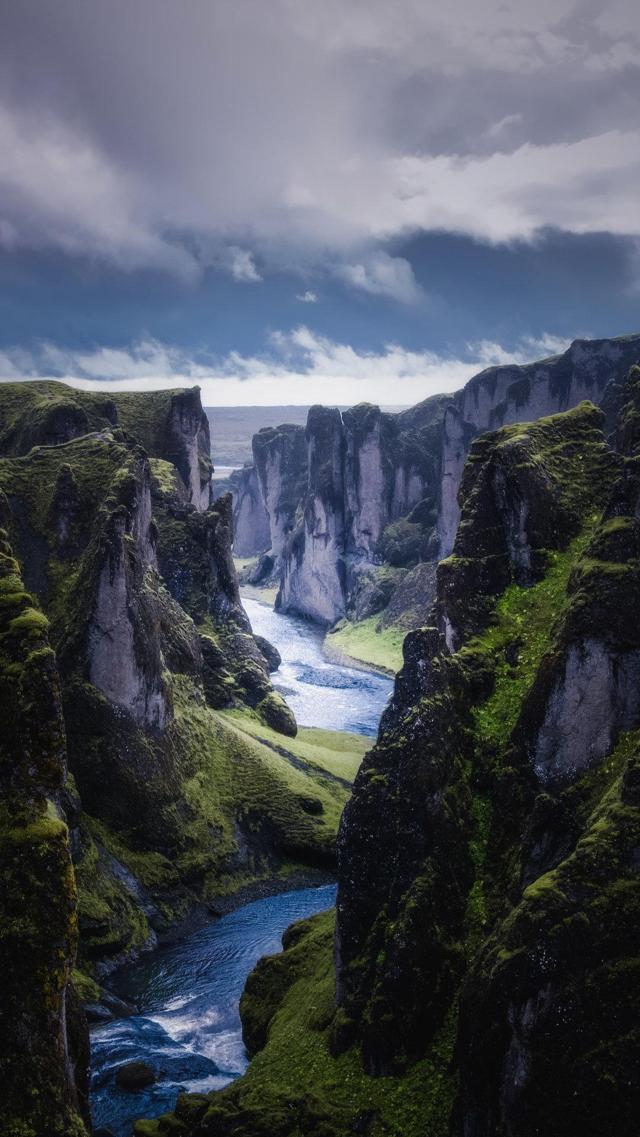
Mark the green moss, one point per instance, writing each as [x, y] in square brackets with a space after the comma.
[86, 987]
[305, 1088]
[31, 623]
[521, 632]
[165, 477]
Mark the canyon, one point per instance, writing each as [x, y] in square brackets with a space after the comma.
[478, 976]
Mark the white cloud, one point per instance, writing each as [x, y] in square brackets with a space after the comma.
[491, 354]
[383, 275]
[299, 367]
[307, 297]
[242, 266]
[589, 185]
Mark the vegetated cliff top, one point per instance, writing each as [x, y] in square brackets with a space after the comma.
[47, 412]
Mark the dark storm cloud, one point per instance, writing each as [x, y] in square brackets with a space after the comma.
[248, 134]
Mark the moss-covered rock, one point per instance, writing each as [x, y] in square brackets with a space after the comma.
[43, 1046]
[169, 805]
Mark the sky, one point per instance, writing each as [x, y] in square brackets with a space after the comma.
[298, 202]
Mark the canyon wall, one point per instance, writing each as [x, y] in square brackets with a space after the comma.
[382, 489]
[500, 784]
[509, 394]
[43, 1042]
[366, 470]
[483, 977]
[136, 785]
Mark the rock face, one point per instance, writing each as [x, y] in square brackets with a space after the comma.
[503, 395]
[491, 827]
[43, 1042]
[124, 646]
[267, 493]
[251, 530]
[280, 458]
[366, 470]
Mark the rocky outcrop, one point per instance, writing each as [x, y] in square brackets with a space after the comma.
[169, 424]
[173, 426]
[125, 660]
[366, 470]
[43, 1042]
[510, 394]
[268, 492]
[251, 530]
[280, 459]
[313, 567]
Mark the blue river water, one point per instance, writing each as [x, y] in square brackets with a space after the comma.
[319, 693]
[187, 995]
[188, 1027]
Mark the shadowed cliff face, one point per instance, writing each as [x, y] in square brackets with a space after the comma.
[494, 822]
[251, 530]
[43, 1044]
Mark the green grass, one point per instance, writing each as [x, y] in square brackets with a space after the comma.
[367, 643]
[239, 772]
[262, 595]
[296, 1065]
[338, 752]
[525, 617]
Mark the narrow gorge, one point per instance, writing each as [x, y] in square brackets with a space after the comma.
[178, 763]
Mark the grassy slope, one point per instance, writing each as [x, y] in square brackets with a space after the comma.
[297, 1076]
[248, 785]
[367, 643]
[337, 752]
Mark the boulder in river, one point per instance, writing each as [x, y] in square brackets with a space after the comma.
[135, 1076]
[270, 653]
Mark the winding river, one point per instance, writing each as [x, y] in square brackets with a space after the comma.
[319, 693]
[188, 1024]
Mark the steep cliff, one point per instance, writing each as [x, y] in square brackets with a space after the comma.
[485, 953]
[367, 470]
[509, 394]
[186, 780]
[390, 496]
[43, 1045]
[251, 530]
[169, 424]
